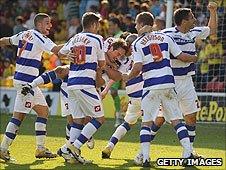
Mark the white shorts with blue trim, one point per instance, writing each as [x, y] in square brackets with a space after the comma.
[24, 104]
[188, 99]
[85, 102]
[64, 105]
[167, 98]
[133, 112]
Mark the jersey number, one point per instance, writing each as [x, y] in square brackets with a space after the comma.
[156, 52]
[80, 54]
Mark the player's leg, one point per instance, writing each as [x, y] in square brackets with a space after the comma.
[173, 114]
[159, 121]
[91, 142]
[42, 110]
[150, 99]
[132, 115]
[63, 150]
[90, 103]
[116, 99]
[23, 105]
[189, 104]
[10, 134]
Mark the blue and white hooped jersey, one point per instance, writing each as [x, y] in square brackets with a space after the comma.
[186, 42]
[156, 75]
[89, 50]
[134, 87]
[31, 45]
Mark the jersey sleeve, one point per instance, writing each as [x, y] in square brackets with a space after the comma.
[66, 48]
[137, 54]
[14, 40]
[201, 32]
[174, 49]
[47, 44]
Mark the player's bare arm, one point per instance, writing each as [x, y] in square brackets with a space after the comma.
[212, 24]
[137, 68]
[187, 57]
[5, 41]
[57, 48]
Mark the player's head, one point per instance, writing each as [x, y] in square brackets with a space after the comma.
[90, 22]
[144, 18]
[118, 49]
[184, 17]
[129, 40]
[114, 25]
[42, 23]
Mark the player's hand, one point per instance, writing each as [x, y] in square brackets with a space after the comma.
[144, 29]
[125, 77]
[26, 88]
[212, 6]
[71, 57]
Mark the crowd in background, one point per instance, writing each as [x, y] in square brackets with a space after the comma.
[118, 17]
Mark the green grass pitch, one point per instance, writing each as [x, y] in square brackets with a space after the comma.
[210, 143]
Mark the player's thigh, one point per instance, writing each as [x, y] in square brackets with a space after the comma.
[188, 99]
[74, 105]
[133, 112]
[170, 106]
[91, 103]
[150, 105]
[23, 104]
[40, 105]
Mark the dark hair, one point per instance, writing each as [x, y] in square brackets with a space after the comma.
[124, 35]
[39, 17]
[131, 38]
[180, 15]
[146, 18]
[115, 21]
[89, 18]
[119, 43]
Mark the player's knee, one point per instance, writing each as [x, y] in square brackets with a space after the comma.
[19, 116]
[42, 111]
[69, 119]
[101, 119]
[159, 121]
[190, 119]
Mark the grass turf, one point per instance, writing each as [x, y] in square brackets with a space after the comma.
[210, 142]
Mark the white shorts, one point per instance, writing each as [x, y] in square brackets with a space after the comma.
[64, 105]
[133, 112]
[24, 104]
[151, 102]
[186, 94]
[85, 102]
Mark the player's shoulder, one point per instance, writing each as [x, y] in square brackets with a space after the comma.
[38, 36]
[136, 43]
[198, 29]
[170, 30]
[98, 39]
[94, 36]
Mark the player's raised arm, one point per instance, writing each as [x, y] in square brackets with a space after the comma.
[212, 24]
[5, 41]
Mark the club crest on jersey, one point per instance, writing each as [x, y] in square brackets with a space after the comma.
[97, 108]
[28, 104]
